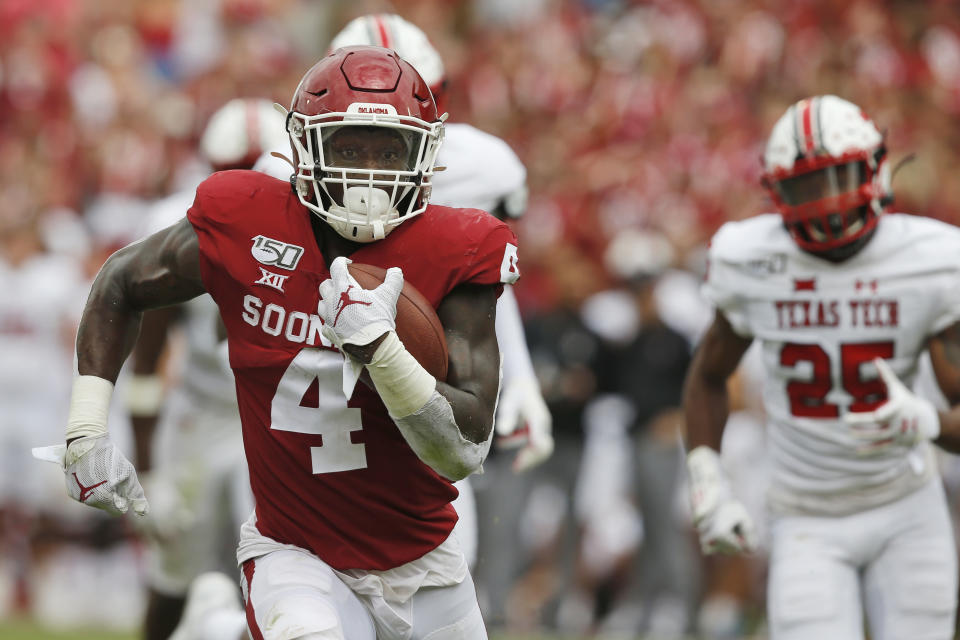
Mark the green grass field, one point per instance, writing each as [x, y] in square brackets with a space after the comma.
[12, 630]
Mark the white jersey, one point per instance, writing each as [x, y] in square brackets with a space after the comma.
[482, 171]
[820, 324]
[206, 379]
[40, 302]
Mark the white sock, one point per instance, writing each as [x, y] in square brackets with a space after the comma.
[224, 624]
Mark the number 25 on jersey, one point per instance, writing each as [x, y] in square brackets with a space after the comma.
[808, 398]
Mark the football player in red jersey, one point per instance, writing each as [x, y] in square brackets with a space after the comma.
[350, 534]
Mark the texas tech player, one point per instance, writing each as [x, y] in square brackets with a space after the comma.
[350, 536]
[843, 301]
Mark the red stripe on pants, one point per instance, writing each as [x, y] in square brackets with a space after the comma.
[248, 569]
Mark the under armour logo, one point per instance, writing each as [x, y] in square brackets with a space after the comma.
[85, 492]
[270, 279]
[345, 301]
[860, 284]
[809, 284]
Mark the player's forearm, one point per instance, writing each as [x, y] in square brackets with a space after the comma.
[472, 414]
[949, 438]
[706, 406]
[446, 426]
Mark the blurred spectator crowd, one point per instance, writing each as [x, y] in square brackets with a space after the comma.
[627, 113]
[631, 116]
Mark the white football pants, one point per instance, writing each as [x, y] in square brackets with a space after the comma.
[292, 595]
[897, 562]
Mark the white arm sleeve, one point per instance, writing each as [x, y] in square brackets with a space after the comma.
[512, 341]
[433, 434]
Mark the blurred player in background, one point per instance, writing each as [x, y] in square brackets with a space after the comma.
[480, 171]
[196, 477]
[843, 301]
[38, 314]
[629, 476]
[351, 533]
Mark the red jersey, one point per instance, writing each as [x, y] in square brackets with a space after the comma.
[328, 475]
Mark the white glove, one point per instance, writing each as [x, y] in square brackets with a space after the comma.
[354, 315]
[904, 420]
[523, 420]
[97, 474]
[721, 520]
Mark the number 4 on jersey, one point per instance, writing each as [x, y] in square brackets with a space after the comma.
[331, 419]
[808, 398]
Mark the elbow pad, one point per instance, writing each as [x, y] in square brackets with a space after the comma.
[433, 434]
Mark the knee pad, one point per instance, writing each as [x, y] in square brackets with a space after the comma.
[807, 589]
[926, 582]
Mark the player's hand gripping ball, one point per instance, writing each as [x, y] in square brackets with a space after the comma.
[361, 302]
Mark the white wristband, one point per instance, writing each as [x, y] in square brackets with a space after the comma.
[144, 395]
[402, 382]
[708, 484]
[89, 406]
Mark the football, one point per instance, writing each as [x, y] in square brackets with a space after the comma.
[418, 326]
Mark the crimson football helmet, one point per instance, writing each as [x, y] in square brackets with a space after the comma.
[826, 170]
[364, 89]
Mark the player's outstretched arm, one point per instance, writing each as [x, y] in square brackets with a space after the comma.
[945, 357]
[160, 270]
[722, 522]
[705, 396]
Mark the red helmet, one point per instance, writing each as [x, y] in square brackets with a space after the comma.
[826, 170]
[364, 88]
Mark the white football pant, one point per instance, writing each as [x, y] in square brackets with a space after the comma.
[293, 595]
[897, 562]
